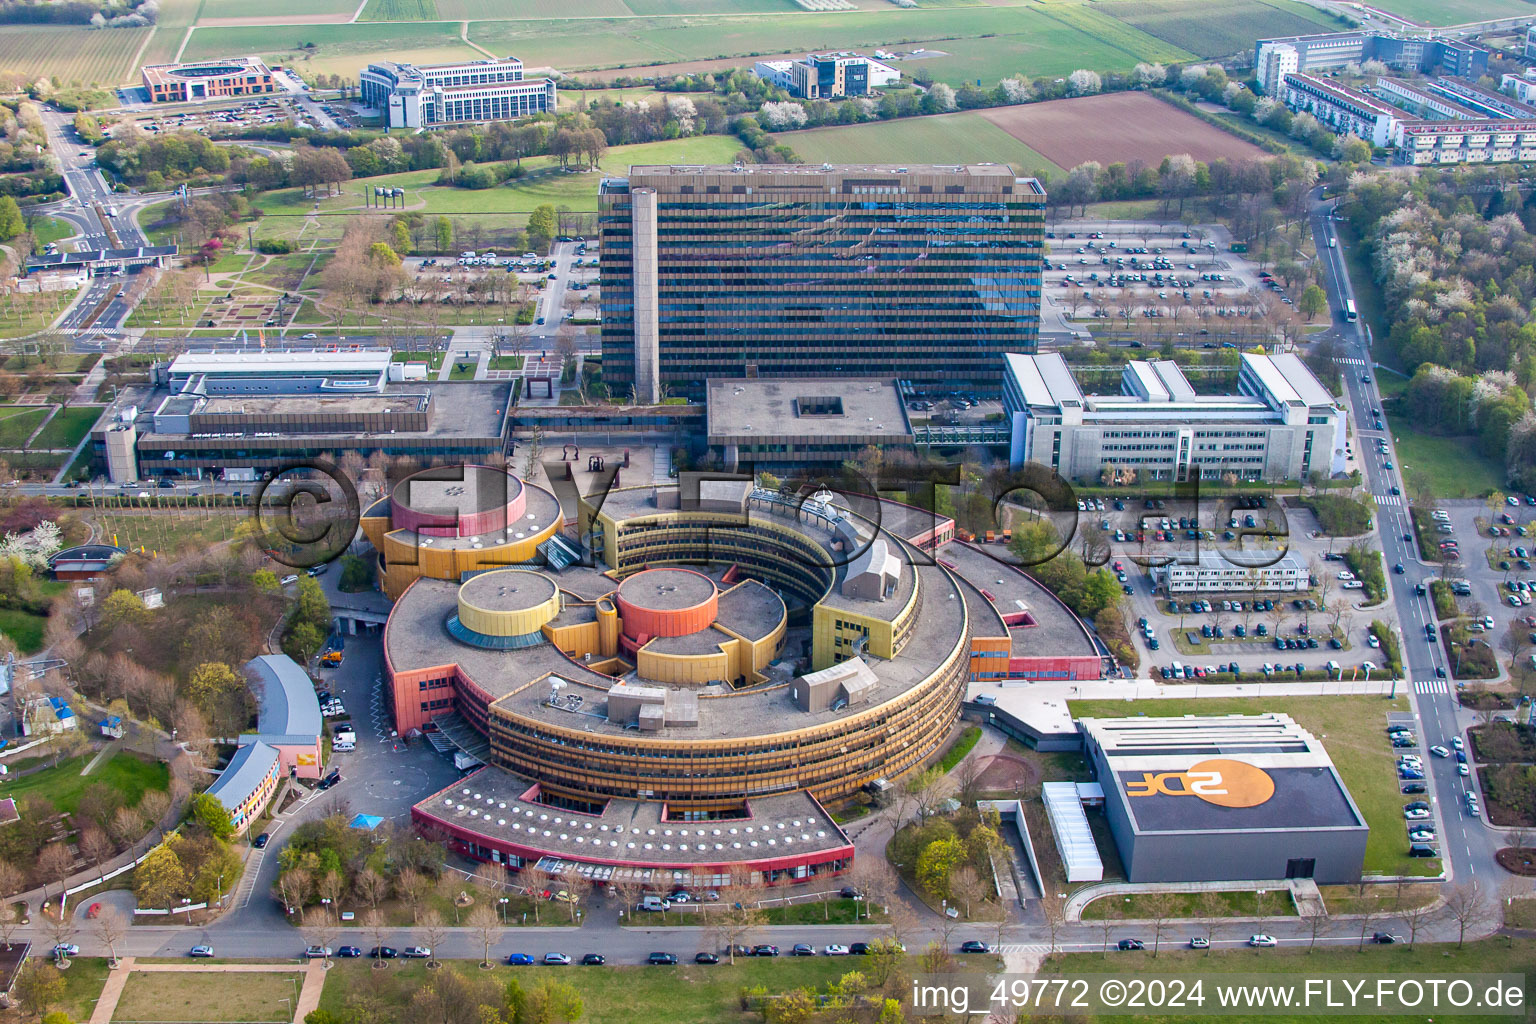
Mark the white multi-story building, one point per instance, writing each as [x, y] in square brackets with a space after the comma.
[1419, 143]
[439, 95]
[1520, 87]
[1281, 425]
[1346, 111]
[827, 76]
[1274, 62]
[1220, 571]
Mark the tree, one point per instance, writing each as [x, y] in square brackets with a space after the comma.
[543, 226]
[552, 1001]
[1158, 908]
[1416, 916]
[793, 1007]
[377, 927]
[1312, 302]
[936, 865]
[1468, 906]
[740, 914]
[111, 926]
[11, 222]
[212, 815]
[372, 886]
[486, 926]
[432, 930]
[412, 886]
[968, 887]
[38, 987]
[319, 929]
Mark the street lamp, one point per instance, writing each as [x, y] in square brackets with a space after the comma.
[504, 901]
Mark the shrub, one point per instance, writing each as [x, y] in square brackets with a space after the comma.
[274, 246]
[1339, 516]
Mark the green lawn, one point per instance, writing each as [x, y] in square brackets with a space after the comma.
[686, 994]
[434, 360]
[1491, 956]
[82, 986]
[68, 426]
[1186, 905]
[29, 312]
[1352, 730]
[1453, 12]
[51, 229]
[463, 369]
[287, 210]
[17, 423]
[169, 530]
[948, 138]
[212, 997]
[24, 628]
[63, 784]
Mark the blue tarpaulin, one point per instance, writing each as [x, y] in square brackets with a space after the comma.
[368, 822]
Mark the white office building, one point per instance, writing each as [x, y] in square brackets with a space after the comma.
[1281, 425]
[1229, 571]
[440, 95]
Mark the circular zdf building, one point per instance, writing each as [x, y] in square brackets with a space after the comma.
[688, 702]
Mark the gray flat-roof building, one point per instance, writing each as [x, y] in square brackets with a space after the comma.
[1207, 798]
[1281, 425]
[1274, 58]
[798, 423]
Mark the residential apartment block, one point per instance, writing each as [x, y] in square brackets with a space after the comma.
[1281, 425]
[925, 273]
[213, 79]
[1346, 111]
[439, 95]
[827, 76]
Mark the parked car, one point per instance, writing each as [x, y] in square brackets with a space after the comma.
[593, 960]
[802, 949]
[519, 960]
[1385, 938]
[260, 841]
[383, 952]
[349, 952]
[975, 946]
[1262, 941]
[416, 952]
[661, 959]
[317, 952]
[557, 960]
[200, 951]
[1130, 944]
[833, 949]
[1199, 942]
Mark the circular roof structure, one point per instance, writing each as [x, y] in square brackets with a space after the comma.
[457, 501]
[667, 602]
[507, 590]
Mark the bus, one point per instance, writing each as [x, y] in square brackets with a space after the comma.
[1349, 311]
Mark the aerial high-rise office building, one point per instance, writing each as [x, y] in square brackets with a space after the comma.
[923, 273]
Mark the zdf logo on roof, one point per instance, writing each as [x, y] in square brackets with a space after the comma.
[1219, 781]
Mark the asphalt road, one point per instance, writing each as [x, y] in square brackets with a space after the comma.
[1467, 843]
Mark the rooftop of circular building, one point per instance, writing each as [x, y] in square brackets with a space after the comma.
[667, 602]
[457, 501]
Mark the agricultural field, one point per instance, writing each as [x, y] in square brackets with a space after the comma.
[1218, 29]
[339, 49]
[977, 42]
[170, 27]
[947, 138]
[214, 9]
[1454, 12]
[1115, 127]
[102, 57]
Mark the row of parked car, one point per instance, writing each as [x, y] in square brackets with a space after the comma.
[1410, 776]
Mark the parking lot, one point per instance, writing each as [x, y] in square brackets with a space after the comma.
[1207, 633]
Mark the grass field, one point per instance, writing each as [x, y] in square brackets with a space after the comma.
[1186, 905]
[948, 138]
[1453, 12]
[51, 229]
[1217, 29]
[1352, 730]
[169, 531]
[17, 423]
[979, 42]
[102, 57]
[287, 210]
[213, 997]
[68, 427]
[686, 994]
[63, 784]
[1494, 955]
[82, 986]
[25, 629]
[30, 312]
[170, 26]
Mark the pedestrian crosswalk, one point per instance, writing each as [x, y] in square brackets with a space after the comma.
[1389, 500]
[1350, 362]
[1431, 686]
[1022, 947]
